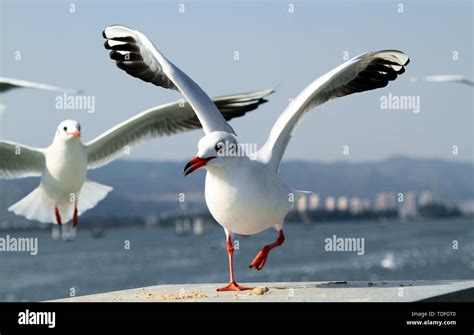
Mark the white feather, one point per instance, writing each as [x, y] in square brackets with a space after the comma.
[36, 206]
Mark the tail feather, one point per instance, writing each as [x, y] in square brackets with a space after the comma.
[39, 206]
[91, 194]
[35, 206]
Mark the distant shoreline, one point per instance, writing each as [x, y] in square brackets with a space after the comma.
[99, 225]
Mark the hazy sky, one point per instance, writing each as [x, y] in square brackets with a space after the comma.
[277, 49]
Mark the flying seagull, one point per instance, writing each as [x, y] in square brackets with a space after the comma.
[64, 192]
[450, 78]
[245, 194]
[7, 84]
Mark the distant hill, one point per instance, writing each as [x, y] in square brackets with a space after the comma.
[449, 181]
[142, 189]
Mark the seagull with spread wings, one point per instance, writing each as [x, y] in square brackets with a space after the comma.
[64, 192]
[246, 194]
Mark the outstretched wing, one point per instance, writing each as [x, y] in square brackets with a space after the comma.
[20, 161]
[7, 84]
[136, 55]
[164, 120]
[450, 78]
[366, 72]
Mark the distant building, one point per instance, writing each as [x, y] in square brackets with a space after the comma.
[426, 198]
[313, 201]
[409, 205]
[198, 226]
[366, 205]
[330, 203]
[301, 204]
[183, 226]
[356, 205]
[178, 226]
[467, 207]
[342, 203]
[152, 220]
[385, 201]
[187, 225]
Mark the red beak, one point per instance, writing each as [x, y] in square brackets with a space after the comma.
[76, 134]
[195, 163]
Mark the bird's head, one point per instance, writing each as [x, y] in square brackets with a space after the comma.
[214, 149]
[68, 130]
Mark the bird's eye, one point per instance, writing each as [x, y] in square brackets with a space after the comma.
[65, 128]
[219, 146]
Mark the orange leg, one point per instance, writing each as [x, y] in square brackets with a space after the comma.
[259, 261]
[233, 286]
[74, 218]
[58, 216]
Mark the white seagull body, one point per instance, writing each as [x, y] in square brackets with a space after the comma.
[64, 193]
[246, 195]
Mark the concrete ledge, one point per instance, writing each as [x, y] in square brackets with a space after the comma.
[339, 291]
